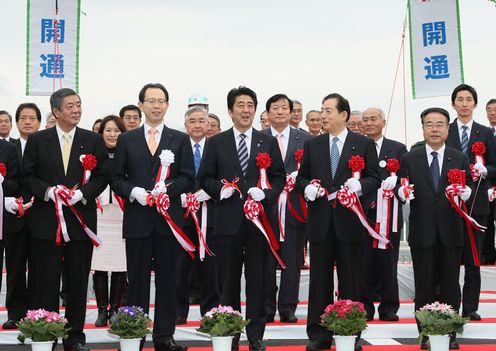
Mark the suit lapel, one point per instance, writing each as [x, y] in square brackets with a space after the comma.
[78, 147]
[454, 135]
[348, 147]
[423, 165]
[55, 152]
[448, 156]
[325, 152]
[293, 140]
[256, 143]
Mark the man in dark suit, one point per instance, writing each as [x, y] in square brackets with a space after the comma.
[147, 234]
[435, 229]
[463, 133]
[292, 238]
[232, 155]
[334, 232]
[5, 126]
[28, 119]
[488, 249]
[196, 123]
[52, 158]
[383, 264]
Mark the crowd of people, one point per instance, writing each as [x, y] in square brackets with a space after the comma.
[134, 196]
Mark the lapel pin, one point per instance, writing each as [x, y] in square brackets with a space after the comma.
[81, 147]
[382, 164]
[449, 158]
[476, 132]
[353, 148]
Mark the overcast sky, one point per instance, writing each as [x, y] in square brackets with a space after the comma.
[306, 49]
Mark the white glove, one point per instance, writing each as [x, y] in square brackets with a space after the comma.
[401, 194]
[390, 182]
[481, 169]
[293, 175]
[1, 179]
[139, 194]
[183, 200]
[354, 185]
[159, 188]
[78, 196]
[312, 192]
[466, 192]
[10, 205]
[226, 193]
[490, 194]
[51, 194]
[201, 195]
[257, 194]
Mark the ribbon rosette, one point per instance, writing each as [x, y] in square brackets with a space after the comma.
[3, 169]
[192, 208]
[162, 204]
[298, 158]
[166, 159]
[88, 162]
[456, 178]
[357, 165]
[255, 213]
[478, 149]
[3, 174]
[263, 162]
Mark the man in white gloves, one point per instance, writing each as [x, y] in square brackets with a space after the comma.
[464, 132]
[231, 157]
[197, 280]
[140, 155]
[436, 231]
[334, 231]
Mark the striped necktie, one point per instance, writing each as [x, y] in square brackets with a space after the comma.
[243, 153]
[334, 156]
[197, 158]
[464, 143]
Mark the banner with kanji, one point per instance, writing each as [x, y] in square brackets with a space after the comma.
[52, 47]
[435, 47]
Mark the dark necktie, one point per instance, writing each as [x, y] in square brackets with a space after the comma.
[435, 170]
[464, 143]
[197, 158]
[334, 156]
[243, 153]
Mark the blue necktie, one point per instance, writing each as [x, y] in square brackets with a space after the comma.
[435, 170]
[334, 156]
[464, 139]
[243, 153]
[197, 158]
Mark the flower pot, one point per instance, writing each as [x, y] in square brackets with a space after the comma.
[345, 342]
[439, 342]
[41, 345]
[130, 344]
[222, 343]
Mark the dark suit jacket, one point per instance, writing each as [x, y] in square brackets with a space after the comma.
[430, 211]
[316, 164]
[483, 134]
[297, 139]
[220, 161]
[15, 223]
[389, 149]
[134, 166]
[43, 168]
[8, 156]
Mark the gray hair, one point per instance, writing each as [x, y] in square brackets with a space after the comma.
[47, 118]
[195, 109]
[356, 112]
[296, 102]
[58, 96]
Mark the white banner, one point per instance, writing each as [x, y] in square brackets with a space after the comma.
[52, 48]
[435, 47]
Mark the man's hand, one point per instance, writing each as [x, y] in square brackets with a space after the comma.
[403, 197]
[256, 194]
[466, 192]
[313, 192]
[354, 185]
[481, 169]
[390, 182]
[140, 195]
[76, 197]
[226, 193]
[183, 200]
[11, 205]
[202, 196]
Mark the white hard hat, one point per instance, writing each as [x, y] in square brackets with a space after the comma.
[197, 100]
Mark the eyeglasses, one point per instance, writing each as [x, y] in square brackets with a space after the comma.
[354, 124]
[430, 125]
[156, 101]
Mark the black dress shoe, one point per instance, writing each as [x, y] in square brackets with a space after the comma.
[76, 347]
[389, 317]
[235, 346]
[453, 345]
[181, 320]
[288, 318]
[257, 345]
[169, 345]
[424, 346]
[474, 316]
[318, 345]
[10, 324]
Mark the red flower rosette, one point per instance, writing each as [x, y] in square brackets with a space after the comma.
[456, 176]
[263, 162]
[89, 162]
[479, 149]
[393, 166]
[3, 169]
[298, 157]
[357, 165]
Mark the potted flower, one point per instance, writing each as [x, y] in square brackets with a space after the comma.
[437, 321]
[131, 325]
[346, 319]
[43, 328]
[222, 323]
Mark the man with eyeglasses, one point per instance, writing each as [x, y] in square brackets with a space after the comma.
[354, 123]
[463, 133]
[140, 167]
[131, 116]
[435, 228]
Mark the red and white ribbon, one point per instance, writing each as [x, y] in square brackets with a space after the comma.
[162, 203]
[407, 188]
[232, 184]
[386, 220]
[192, 208]
[120, 201]
[166, 159]
[1, 207]
[62, 196]
[282, 200]
[255, 213]
[492, 194]
[22, 207]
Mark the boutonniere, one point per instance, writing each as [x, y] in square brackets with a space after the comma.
[88, 161]
[357, 165]
[3, 169]
[298, 157]
[393, 165]
[263, 162]
[479, 149]
[166, 159]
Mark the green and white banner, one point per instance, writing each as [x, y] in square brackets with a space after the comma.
[52, 47]
[435, 47]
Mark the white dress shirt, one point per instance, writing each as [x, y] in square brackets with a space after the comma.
[440, 156]
[248, 137]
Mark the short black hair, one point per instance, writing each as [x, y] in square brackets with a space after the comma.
[28, 105]
[342, 105]
[3, 112]
[463, 87]
[58, 96]
[434, 110]
[278, 97]
[143, 90]
[490, 102]
[241, 90]
[129, 108]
